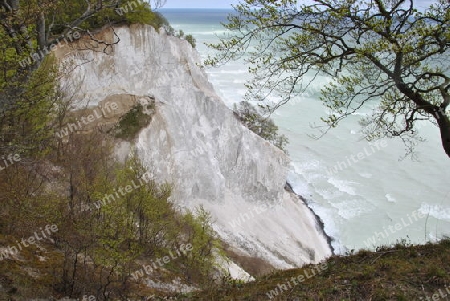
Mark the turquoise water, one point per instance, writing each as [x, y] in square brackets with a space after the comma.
[361, 191]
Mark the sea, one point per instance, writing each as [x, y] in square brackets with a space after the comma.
[367, 194]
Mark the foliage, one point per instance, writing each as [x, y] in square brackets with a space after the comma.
[101, 240]
[166, 25]
[132, 122]
[26, 122]
[205, 245]
[400, 272]
[112, 218]
[131, 12]
[383, 56]
[27, 91]
[262, 126]
[190, 38]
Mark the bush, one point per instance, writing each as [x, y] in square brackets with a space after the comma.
[144, 15]
[190, 38]
[132, 122]
[201, 262]
[131, 12]
[264, 127]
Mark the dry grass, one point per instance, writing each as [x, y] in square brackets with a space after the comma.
[401, 272]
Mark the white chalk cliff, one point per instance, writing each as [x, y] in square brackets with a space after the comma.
[195, 142]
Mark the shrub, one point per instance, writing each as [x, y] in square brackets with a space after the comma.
[132, 122]
[201, 262]
[131, 12]
[260, 125]
[191, 40]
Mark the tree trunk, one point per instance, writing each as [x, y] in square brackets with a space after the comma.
[444, 126]
[40, 26]
[437, 111]
[10, 5]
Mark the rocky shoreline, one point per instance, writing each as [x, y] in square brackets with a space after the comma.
[319, 221]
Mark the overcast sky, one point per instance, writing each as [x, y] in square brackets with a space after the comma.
[227, 3]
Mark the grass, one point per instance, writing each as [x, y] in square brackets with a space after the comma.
[400, 272]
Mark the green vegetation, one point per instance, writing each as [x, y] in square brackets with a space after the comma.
[386, 57]
[401, 272]
[190, 38]
[112, 220]
[262, 126]
[29, 106]
[26, 120]
[132, 122]
[130, 12]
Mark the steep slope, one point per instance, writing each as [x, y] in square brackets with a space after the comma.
[195, 142]
[400, 272]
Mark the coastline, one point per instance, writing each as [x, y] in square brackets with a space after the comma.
[319, 221]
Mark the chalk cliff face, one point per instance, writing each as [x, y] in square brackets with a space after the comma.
[195, 142]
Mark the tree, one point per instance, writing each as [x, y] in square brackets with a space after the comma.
[376, 52]
[29, 31]
[190, 38]
[201, 260]
[19, 17]
[109, 217]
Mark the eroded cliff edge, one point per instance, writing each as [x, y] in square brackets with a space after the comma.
[195, 142]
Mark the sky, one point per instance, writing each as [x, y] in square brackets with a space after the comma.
[227, 3]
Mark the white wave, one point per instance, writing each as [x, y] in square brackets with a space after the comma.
[328, 194]
[311, 165]
[298, 184]
[390, 198]
[366, 175]
[239, 71]
[351, 208]
[209, 33]
[326, 214]
[330, 227]
[360, 114]
[436, 211]
[343, 186]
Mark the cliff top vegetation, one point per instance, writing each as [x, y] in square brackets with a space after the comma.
[399, 272]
